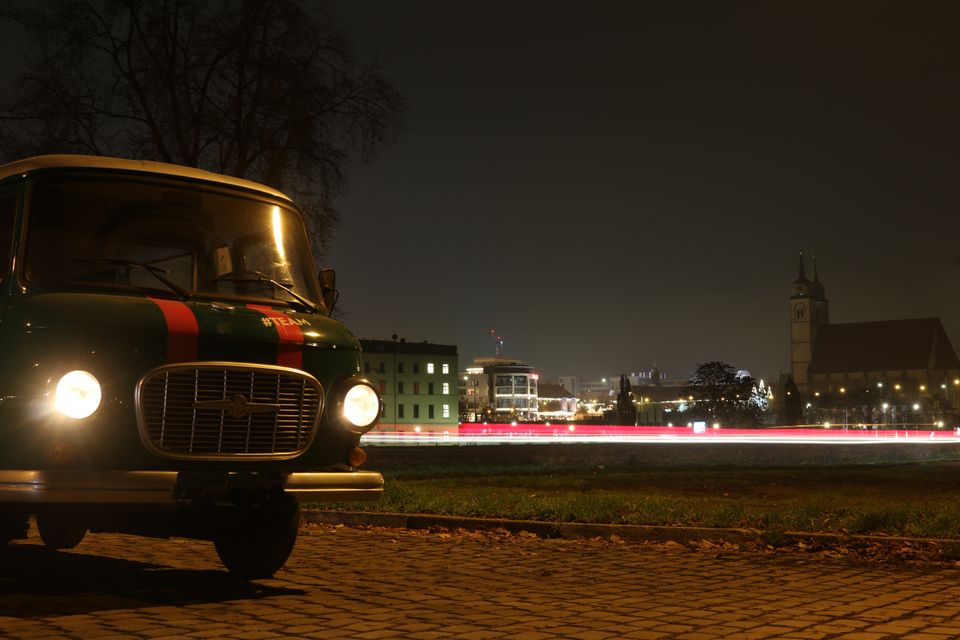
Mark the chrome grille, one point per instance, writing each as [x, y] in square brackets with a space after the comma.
[221, 410]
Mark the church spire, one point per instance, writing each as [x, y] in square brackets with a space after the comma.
[801, 286]
[816, 287]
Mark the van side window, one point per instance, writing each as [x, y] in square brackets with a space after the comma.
[8, 206]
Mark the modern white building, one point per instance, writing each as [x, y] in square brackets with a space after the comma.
[555, 402]
[498, 389]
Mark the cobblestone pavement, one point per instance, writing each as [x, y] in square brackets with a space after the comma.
[382, 583]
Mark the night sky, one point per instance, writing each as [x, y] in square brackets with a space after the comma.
[613, 184]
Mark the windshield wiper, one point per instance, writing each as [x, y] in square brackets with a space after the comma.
[156, 272]
[259, 276]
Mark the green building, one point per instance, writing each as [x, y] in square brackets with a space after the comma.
[418, 384]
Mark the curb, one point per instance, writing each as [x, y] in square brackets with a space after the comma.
[630, 532]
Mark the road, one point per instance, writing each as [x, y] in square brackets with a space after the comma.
[381, 583]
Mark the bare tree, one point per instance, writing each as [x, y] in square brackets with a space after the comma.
[260, 89]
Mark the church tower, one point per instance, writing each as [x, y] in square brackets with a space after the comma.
[809, 310]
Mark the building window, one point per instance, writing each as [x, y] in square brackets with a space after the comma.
[400, 386]
[383, 387]
[416, 411]
[430, 388]
[446, 411]
[399, 367]
[416, 367]
[416, 388]
[430, 411]
[799, 314]
[366, 366]
[399, 410]
[445, 367]
[381, 368]
[446, 388]
[429, 367]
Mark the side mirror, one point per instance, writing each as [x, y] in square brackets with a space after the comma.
[328, 288]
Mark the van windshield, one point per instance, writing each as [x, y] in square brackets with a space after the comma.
[167, 237]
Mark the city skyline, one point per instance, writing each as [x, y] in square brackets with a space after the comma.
[612, 188]
[608, 189]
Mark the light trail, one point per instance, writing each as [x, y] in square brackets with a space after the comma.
[489, 434]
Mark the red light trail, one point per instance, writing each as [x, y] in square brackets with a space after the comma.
[497, 433]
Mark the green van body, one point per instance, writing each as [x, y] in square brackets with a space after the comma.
[111, 471]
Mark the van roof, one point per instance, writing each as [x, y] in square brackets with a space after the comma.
[66, 161]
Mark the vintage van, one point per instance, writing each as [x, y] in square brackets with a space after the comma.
[168, 366]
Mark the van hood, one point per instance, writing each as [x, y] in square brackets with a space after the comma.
[179, 331]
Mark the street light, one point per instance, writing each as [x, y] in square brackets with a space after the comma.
[843, 392]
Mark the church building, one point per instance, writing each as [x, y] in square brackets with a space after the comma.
[912, 358]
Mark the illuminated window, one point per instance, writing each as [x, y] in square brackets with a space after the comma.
[446, 388]
[446, 411]
[445, 368]
[429, 367]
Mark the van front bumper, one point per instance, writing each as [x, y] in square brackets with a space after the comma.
[163, 487]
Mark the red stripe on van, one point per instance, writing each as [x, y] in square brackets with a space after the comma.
[182, 330]
[289, 337]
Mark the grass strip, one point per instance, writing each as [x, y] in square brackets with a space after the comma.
[921, 500]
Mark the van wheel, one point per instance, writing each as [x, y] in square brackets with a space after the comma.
[13, 527]
[60, 531]
[255, 542]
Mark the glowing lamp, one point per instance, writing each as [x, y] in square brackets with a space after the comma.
[77, 395]
[361, 407]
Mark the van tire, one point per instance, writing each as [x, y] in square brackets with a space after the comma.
[255, 542]
[60, 531]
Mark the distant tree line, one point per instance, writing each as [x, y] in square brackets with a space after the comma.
[722, 395]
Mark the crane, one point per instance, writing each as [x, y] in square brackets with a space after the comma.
[498, 341]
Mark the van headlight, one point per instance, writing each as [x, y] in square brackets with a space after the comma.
[361, 407]
[77, 395]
